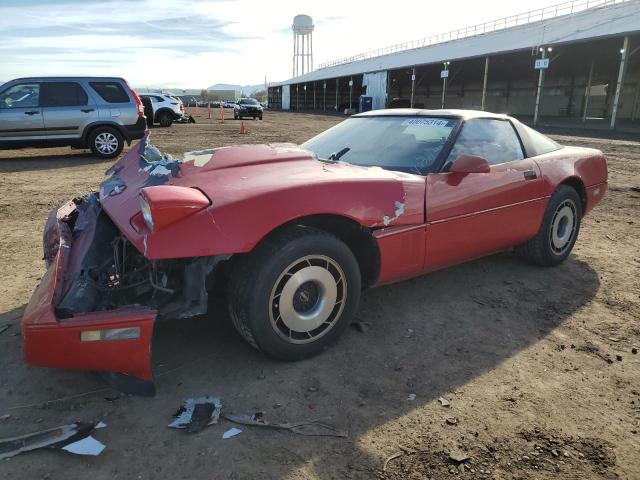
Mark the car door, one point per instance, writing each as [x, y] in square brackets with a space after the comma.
[66, 108]
[474, 214]
[20, 112]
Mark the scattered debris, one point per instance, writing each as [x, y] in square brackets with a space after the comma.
[312, 389]
[458, 455]
[392, 457]
[444, 402]
[411, 397]
[619, 358]
[197, 413]
[634, 350]
[362, 327]
[635, 189]
[232, 432]
[86, 446]
[4, 417]
[310, 428]
[67, 437]
[451, 420]
[5, 327]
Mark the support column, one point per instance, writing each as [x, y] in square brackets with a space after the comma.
[536, 112]
[484, 82]
[324, 95]
[413, 84]
[444, 83]
[620, 84]
[337, 84]
[636, 97]
[587, 93]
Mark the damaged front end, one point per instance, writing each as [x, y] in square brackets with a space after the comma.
[97, 303]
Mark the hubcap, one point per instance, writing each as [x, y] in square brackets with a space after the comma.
[563, 227]
[106, 142]
[307, 299]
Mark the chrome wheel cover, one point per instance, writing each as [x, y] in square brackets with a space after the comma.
[307, 299]
[563, 227]
[106, 143]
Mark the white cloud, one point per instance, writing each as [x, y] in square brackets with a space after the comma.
[193, 43]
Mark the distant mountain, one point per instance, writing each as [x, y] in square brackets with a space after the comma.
[245, 89]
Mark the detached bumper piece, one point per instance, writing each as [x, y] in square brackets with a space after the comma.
[60, 329]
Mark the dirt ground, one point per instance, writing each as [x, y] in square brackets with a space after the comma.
[536, 363]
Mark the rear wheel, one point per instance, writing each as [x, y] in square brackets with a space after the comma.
[260, 117]
[559, 230]
[165, 119]
[106, 142]
[295, 293]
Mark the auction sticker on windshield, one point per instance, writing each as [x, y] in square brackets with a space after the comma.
[429, 122]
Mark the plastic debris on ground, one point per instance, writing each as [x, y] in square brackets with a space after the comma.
[309, 428]
[232, 432]
[74, 438]
[197, 413]
[444, 402]
[411, 397]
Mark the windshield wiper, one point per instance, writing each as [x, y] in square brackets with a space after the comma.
[336, 155]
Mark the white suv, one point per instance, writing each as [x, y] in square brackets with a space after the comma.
[162, 108]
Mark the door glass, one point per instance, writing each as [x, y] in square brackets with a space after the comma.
[63, 94]
[493, 140]
[24, 95]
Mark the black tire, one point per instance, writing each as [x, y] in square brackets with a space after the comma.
[254, 117]
[559, 229]
[106, 142]
[255, 304]
[260, 117]
[165, 119]
[235, 116]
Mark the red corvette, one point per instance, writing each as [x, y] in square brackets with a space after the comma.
[294, 233]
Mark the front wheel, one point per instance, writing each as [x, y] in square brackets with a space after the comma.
[295, 293]
[559, 230]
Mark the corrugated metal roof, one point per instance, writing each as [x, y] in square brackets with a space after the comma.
[613, 20]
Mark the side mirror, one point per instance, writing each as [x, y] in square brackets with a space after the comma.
[470, 164]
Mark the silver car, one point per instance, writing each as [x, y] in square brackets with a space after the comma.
[99, 113]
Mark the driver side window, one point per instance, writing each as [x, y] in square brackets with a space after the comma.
[493, 140]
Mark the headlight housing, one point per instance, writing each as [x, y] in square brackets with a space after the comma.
[162, 205]
[146, 212]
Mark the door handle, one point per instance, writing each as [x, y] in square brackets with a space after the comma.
[33, 112]
[530, 175]
[87, 110]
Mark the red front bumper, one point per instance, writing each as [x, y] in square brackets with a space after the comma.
[77, 342]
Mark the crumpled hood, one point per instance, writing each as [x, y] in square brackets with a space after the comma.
[249, 182]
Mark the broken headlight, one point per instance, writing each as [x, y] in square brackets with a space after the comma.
[146, 212]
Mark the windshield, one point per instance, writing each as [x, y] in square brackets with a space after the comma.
[406, 144]
[248, 101]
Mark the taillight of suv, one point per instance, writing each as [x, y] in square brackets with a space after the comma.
[137, 99]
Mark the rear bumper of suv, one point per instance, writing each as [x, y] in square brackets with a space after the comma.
[136, 131]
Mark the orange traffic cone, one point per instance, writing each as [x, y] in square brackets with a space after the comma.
[209, 111]
[242, 129]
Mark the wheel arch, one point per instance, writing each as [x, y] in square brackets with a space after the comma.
[359, 239]
[160, 111]
[578, 185]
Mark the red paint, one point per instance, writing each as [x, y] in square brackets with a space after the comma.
[170, 203]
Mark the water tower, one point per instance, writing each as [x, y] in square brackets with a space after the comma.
[302, 45]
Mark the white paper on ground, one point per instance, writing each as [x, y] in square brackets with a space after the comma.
[86, 446]
[232, 432]
[101, 425]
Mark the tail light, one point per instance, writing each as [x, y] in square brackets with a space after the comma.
[163, 205]
[137, 99]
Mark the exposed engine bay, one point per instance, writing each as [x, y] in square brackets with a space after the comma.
[107, 272]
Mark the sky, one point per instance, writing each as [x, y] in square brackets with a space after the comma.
[197, 43]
